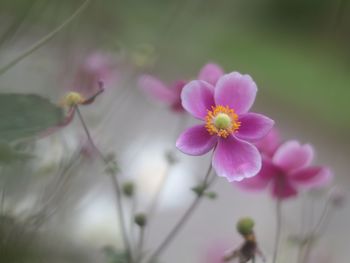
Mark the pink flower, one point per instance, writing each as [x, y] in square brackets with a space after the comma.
[160, 92]
[216, 251]
[269, 143]
[171, 95]
[287, 170]
[96, 67]
[228, 128]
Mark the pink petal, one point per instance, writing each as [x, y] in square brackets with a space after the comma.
[156, 89]
[254, 126]
[197, 98]
[269, 143]
[216, 251]
[282, 188]
[177, 88]
[311, 176]
[261, 180]
[291, 155]
[236, 91]
[211, 73]
[236, 159]
[196, 141]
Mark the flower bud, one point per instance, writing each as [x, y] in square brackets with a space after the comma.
[199, 189]
[245, 226]
[337, 197]
[170, 157]
[140, 219]
[128, 189]
[112, 168]
[211, 195]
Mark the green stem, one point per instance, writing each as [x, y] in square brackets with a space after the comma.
[183, 220]
[158, 192]
[132, 222]
[315, 232]
[45, 39]
[116, 185]
[140, 245]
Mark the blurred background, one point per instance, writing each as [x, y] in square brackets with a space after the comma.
[296, 51]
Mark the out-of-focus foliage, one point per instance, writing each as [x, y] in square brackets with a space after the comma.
[9, 154]
[24, 116]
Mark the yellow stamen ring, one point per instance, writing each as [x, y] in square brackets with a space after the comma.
[222, 121]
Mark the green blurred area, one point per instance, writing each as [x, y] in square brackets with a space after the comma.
[297, 51]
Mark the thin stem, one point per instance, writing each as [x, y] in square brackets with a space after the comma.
[300, 252]
[116, 185]
[11, 30]
[278, 229]
[45, 39]
[183, 220]
[315, 231]
[155, 201]
[140, 245]
[323, 217]
[132, 217]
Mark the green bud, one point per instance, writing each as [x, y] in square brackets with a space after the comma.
[170, 157]
[128, 189]
[199, 189]
[140, 219]
[245, 226]
[112, 168]
[211, 195]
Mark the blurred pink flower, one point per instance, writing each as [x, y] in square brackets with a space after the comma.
[171, 95]
[287, 170]
[215, 252]
[160, 92]
[228, 129]
[96, 67]
[269, 143]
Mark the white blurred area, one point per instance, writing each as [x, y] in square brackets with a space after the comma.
[123, 121]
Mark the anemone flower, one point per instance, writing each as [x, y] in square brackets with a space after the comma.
[97, 66]
[171, 95]
[287, 171]
[228, 128]
[269, 144]
[215, 252]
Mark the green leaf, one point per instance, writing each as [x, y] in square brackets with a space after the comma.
[24, 116]
[115, 256]
[9, 155]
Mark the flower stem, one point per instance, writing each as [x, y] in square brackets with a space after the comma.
[132, 223]
[315, 232]
[155, 201]
[45, 39]
[183, 220]
[140, 245]
[116, 186]
[278, 229]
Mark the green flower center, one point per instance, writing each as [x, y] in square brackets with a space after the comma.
[222, 121]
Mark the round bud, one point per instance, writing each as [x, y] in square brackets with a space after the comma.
[211, 195]
[140, 219]
[128, 189]
[245, 226]
[171, 157]
[337, 197]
